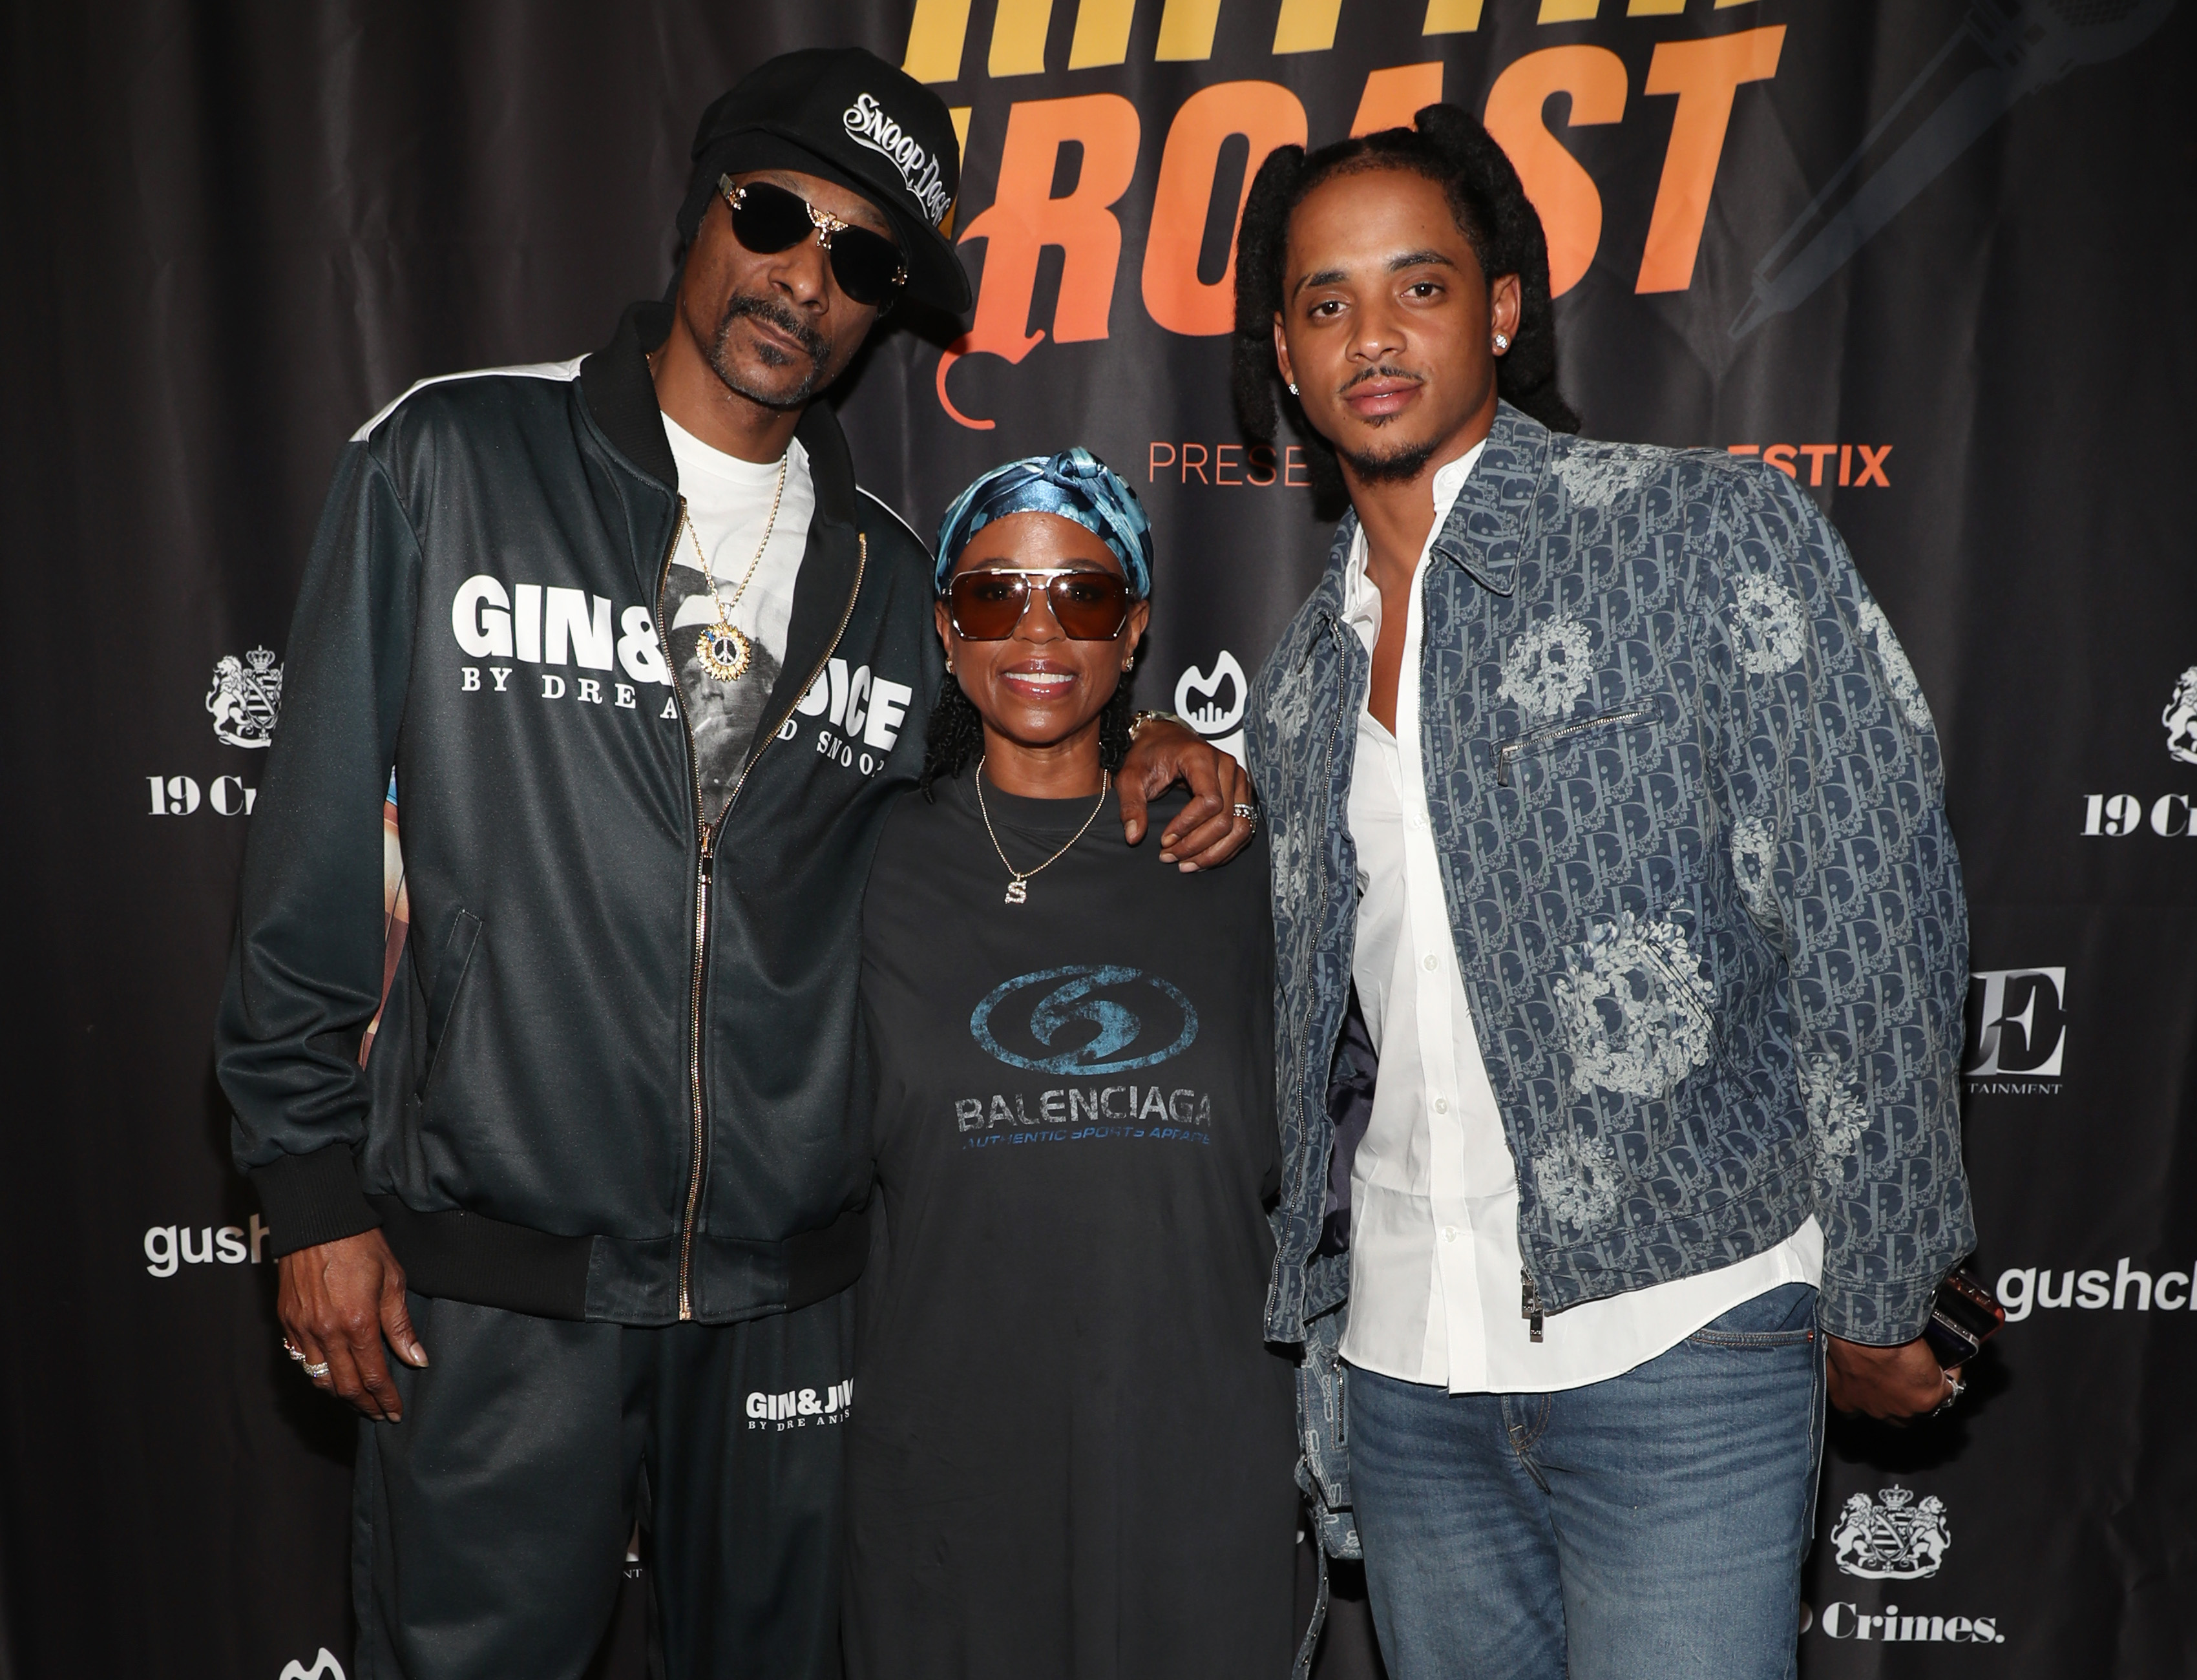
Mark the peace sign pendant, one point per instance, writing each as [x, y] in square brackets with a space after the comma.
[724, 652]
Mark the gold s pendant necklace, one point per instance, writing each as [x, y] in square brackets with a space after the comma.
[1018, 881]
[723, 648]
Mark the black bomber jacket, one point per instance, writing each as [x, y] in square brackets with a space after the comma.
[619, 1075]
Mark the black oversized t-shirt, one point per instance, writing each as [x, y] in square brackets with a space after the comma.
[1073, 1452]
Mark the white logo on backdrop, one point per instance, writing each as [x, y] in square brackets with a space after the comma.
[324, 1664]
[1890, 1537]
[2180, 718]
[246, 697]
[1212, 702]
[2019, 1022]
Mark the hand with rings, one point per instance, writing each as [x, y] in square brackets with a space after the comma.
[316, 1371]
[342, 1307]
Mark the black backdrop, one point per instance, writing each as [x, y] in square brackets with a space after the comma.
[234, 230]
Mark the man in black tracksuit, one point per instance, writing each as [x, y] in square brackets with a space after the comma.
[609, 1157]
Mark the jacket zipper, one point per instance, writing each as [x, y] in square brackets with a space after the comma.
[1330, 626]
[703, 868]
[701, 926]
[1510, 751]
[1529, 1304]
[1335, 723]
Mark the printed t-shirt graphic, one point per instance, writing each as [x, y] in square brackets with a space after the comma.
[729, 503]
[1074, 1453]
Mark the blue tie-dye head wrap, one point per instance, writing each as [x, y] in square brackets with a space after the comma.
[1075, 485]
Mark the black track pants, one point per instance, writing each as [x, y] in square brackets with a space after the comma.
[488, 1528]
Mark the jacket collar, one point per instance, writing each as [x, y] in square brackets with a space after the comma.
[1493, 513]
[621, 397]
[1489, 523]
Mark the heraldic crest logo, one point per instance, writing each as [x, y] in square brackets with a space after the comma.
[2180, 718]
[246, 697]
[1890, 1537]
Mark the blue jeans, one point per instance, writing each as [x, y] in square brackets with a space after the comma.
[1645, 1527]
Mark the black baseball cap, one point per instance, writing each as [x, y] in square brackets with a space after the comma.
[847, 116]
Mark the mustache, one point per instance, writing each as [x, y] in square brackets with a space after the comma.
[770, 310]
[1384, 373]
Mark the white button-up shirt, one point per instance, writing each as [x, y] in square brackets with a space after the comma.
[1435, 1276]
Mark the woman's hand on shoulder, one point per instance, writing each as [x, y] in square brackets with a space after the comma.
[1210, 830]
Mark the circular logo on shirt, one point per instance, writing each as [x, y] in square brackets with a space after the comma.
[1084, 1019]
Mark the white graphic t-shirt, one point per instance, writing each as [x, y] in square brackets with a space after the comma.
[728, 505]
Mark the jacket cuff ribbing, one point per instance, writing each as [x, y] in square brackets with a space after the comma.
[312, 1198]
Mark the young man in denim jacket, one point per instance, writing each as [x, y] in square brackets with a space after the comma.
[1595, 774]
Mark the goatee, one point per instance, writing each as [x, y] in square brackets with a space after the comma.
[770, 310]
[1399, 466]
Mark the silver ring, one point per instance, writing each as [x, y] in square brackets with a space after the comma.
[316, 1372]
[288, 1348]
[1954, 1389]
[1248, 812]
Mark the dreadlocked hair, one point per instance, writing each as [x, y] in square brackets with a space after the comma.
[955, 737]
[1449, 147]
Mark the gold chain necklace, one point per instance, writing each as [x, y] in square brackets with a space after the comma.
[1018, 887]
[724, 648]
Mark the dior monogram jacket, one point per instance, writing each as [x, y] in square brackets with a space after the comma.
[1689, 805]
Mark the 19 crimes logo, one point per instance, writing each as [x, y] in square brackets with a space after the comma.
[2170, 816]
[1890, 1537]
[1845, 1620]
[1895, 1536]
[244, 698]
[800, 1408]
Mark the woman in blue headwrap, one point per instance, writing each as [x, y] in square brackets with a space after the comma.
[1073, 1453]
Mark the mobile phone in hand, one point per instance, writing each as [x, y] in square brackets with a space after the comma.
[1963, 1316]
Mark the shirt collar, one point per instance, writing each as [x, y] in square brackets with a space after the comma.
[1361, 601]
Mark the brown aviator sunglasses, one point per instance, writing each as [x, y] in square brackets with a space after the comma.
[986, 604]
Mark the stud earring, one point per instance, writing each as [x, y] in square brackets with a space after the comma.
[1501, 343]
[1293, 387]
[1132, 664]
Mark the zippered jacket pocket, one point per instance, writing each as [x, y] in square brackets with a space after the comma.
[1508, 753]
[449, 974]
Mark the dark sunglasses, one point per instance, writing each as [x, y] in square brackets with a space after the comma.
[768, 219]
[1087, 606]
